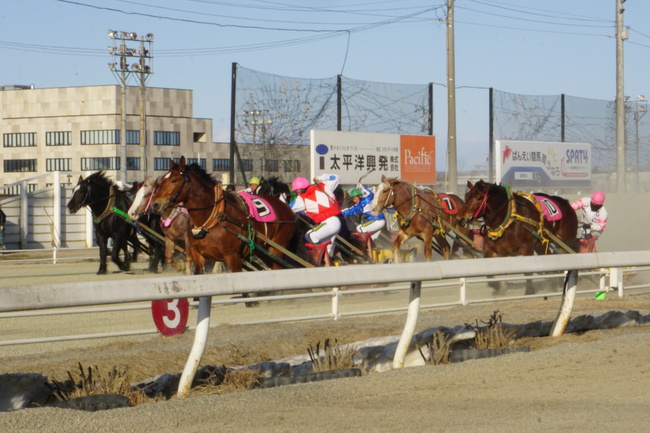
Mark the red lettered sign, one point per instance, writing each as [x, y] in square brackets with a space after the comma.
[170, 315]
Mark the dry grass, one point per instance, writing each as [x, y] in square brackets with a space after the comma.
[334, 357]
[438, 349]
[493, 335]
[233, 381]
[93, 382]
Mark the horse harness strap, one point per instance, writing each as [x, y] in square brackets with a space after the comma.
[212, 219]
[109, 207]
[509, 219]
[513, 216]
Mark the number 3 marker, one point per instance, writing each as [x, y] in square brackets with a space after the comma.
[170, 315]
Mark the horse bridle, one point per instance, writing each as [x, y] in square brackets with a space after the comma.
[186, 179]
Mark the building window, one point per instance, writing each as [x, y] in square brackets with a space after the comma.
[17, 189]
[162, 164]
[107, 163]
[202, 163]
[291, 165]
[58, 138]
[221, 164]
[19, 165]
[19, 139]
[102, 136]
[132, 136]
[166, 138]
[246, 164]
[132, 163]
[58, 164]
[269, 165]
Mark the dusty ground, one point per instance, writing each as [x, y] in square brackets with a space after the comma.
[596, 381]
[591, 382]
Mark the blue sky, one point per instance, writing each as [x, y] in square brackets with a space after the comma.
[532, 47]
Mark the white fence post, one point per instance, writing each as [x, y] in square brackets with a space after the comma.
[56, 209]
[200, 340]
[616, 280]
[409, 327]
[335, 303]
[463, 291]
[568, 298]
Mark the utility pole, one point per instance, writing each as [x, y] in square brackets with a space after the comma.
[621, 35]
[121, 69]
[452, 173]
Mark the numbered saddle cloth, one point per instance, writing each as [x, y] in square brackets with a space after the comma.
[259, 208]
[448, 205]
[550, 209]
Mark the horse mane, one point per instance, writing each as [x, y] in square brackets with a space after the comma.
[99, 177]
[199, 171]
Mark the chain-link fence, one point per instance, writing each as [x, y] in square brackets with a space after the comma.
[564, 118]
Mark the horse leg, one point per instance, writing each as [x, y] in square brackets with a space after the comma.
[444, 246]
[399, 239]
[120, 244]
[102, 242]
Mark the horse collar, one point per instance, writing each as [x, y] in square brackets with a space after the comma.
[109, 206]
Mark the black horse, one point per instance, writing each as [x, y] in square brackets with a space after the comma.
[100, 194]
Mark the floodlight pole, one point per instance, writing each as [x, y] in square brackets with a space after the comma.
[120, 68]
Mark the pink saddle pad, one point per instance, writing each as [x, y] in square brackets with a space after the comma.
[259, 208]
[550, 209]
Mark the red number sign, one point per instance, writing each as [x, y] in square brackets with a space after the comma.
[170, 315]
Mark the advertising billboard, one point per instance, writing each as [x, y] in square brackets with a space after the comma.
[352, 155]
[543, 164]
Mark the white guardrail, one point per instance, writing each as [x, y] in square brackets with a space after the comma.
[35, 297]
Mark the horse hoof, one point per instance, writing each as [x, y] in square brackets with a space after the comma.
[101, 272]
[252, 304]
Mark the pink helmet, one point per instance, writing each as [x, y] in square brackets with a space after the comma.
[299, 183]
[598, 198]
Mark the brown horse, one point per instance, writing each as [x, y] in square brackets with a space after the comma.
[223, 228]
[514, 223]
[174, 223]
[424, 214]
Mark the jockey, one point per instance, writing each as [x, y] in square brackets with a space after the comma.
[362, 198]
[317, 201]
[594, 215]
[252, 185]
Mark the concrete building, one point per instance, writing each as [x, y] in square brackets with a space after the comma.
[77, 129]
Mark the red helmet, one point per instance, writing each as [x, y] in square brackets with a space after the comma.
[598, 198]
[299, 183]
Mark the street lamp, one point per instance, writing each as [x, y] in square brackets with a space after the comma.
[127, 46]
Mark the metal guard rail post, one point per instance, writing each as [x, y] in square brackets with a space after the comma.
[25, 297]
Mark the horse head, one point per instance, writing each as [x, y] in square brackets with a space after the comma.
[171, 187]
[94, 187]
[475, 202]
[384, 195]
[142, 199]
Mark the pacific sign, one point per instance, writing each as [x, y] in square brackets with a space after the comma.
[352, 155]
[543, 164]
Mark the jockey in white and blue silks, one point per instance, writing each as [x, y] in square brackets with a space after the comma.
[370, 223]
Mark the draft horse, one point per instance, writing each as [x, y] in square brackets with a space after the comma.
[421, 213]
[173, 223]
[516, 224]
[222, 227]
[102, 197]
